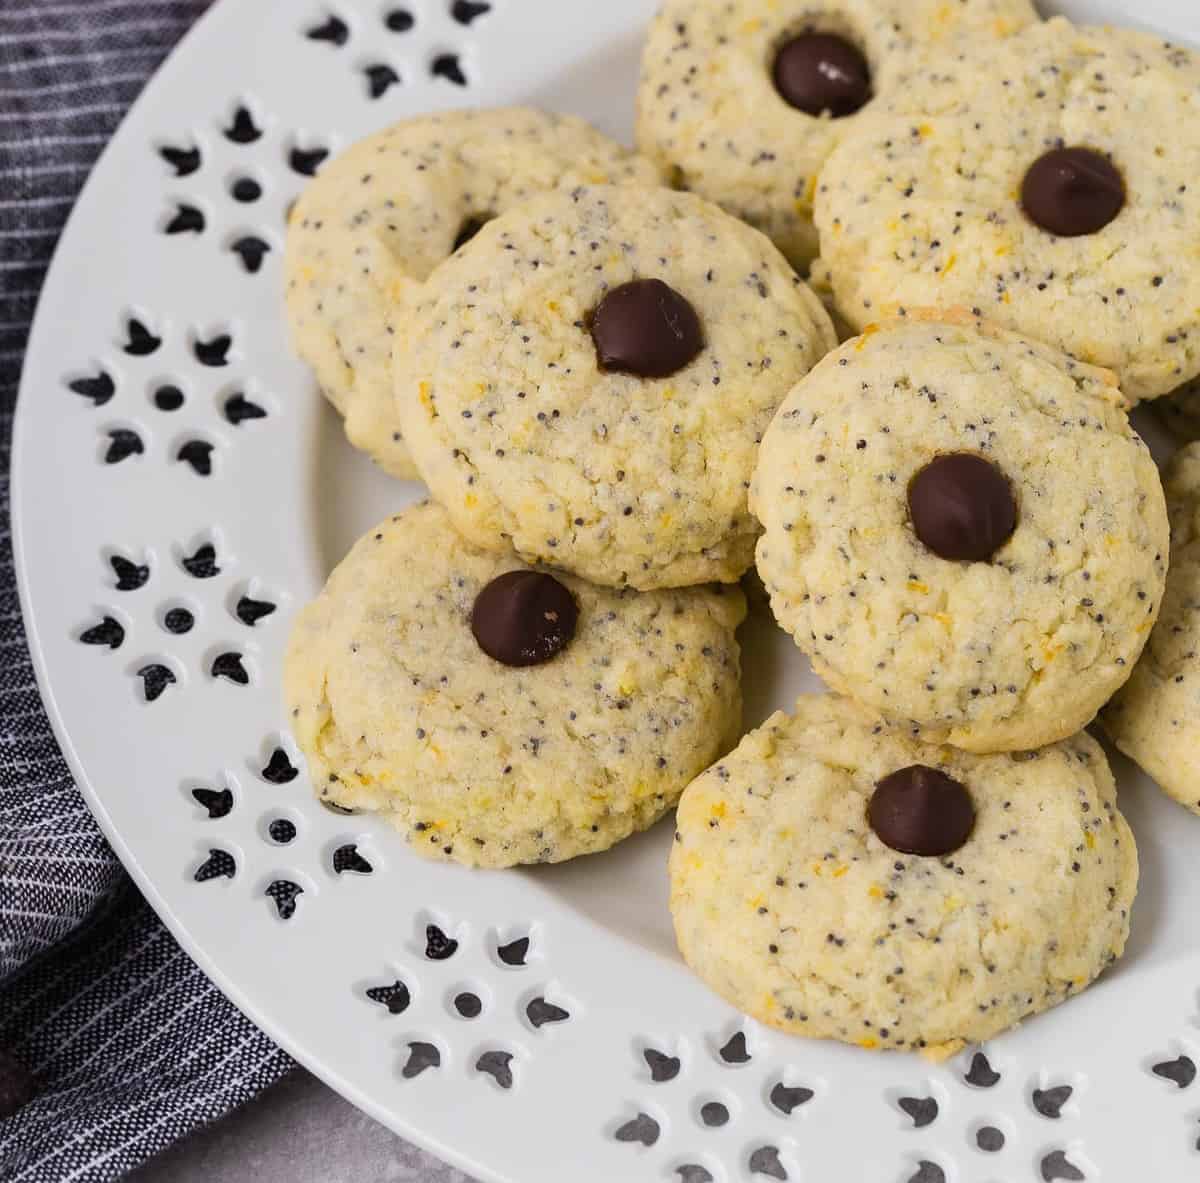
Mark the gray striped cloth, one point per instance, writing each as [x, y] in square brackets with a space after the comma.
[112, 1043]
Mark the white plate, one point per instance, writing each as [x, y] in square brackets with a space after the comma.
[284, 499]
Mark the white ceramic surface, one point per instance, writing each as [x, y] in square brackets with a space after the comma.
[284, 499]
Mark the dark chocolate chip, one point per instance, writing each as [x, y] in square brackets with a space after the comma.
[989, 1139]
[818, 72]
[184, 161]
[1072, 191]
[16, 1086]
[693, 1172]
[122, 443]
[646, 328]
[643, 1129]
[496, 1065]
[218, 802]
[714, 1114]
[395, 997]
[399, 20]
[962, 507]
[168, 398]
[524, 618]
[108, 632]
[919, 810]
[421, 1056]
[468, 1005]
[438, 946]
[187, 220]
[99, 388]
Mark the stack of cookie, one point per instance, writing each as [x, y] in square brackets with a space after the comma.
[584, 364]
[622, 396]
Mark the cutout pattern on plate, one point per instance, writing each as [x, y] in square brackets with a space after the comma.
[187, 388]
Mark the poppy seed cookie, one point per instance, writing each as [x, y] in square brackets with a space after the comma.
[963, 532]
[742, 100]
[1155, 719]
[389, 209]
[498, 715]
[796, 897]
[1048, 181]
[587, 380]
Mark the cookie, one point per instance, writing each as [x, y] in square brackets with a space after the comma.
[963, 532]
[499, 715]
[587, 381]
[389, 209]
[839, 880]
[742, 100]
[1155, 719]
[1048, 181]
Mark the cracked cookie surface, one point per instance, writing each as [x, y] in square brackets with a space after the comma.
[529, 443]
[1014, 652]
[391, 207]
[922, 204]
[790, 907]
[1155, 719]
[399, 711]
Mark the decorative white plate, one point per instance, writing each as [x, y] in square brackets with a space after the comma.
[177, 474]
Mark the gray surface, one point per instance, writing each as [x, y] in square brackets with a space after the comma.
[299, 1131]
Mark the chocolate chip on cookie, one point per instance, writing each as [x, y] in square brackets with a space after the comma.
[962, 507]
[818, 72]
[645, 327]
[919, 810]
[524, 618]
[1072, 192]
